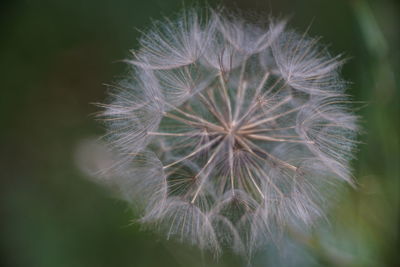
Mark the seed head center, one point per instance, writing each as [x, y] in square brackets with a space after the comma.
[231, 129]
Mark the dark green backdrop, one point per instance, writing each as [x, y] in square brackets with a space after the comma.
[55, 57]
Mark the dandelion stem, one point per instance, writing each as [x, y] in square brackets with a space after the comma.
[231, 141]
[254, 182]
[210, 160]
[225, 96]
[271, 109]
[252, 125]
[193, 153]
[254, 105]
[211, 107]
[177, 134]
[192, 116]
[240, 91]
[262, 173]
[258, 149]
[261, 85]
[244, 132]
[273, 139]
[193, 123]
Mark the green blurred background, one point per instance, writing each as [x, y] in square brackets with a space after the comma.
[55, 57]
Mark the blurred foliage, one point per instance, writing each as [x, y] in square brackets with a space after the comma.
[55, 56]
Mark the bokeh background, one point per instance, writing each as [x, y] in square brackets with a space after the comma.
[55, 57]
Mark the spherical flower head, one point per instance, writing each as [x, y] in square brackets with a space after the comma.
[227, 131]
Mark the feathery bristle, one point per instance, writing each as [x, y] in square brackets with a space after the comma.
[229, 131]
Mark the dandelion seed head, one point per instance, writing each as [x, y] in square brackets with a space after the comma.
[227, 131]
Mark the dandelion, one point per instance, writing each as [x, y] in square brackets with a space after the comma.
[226, 131]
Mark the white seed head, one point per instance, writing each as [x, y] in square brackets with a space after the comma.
[227, 131]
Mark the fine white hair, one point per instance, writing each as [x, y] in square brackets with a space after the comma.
[226, 131]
